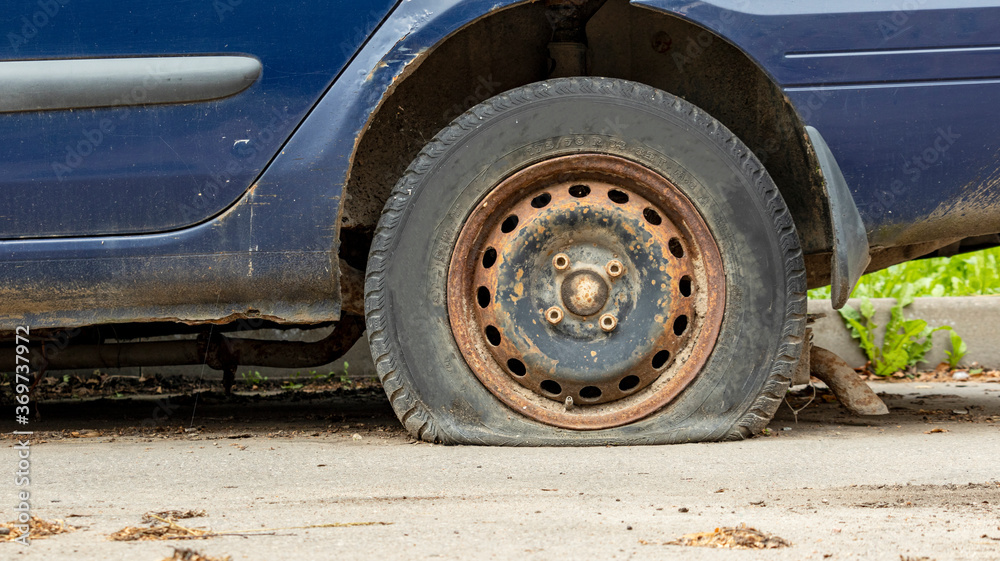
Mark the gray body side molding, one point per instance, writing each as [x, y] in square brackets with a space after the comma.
[850, 241]
[45, 85]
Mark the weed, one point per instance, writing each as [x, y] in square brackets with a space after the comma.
[253, 378]
[344, 378]
[958, 350]
[906, 341]
[292, 383]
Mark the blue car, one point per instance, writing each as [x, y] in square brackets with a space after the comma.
[561, 222]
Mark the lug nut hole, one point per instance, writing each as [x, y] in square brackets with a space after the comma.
[579, 191]
[551, 386]
[489, 257]
[680, 325]
[628, 383]
[493, 335]
[685, 286]
[483, 296]
[509, 224]
[676, 248]
[516, 367]
[659, 359]
[541, 201]
[652, 217]
[618, 197]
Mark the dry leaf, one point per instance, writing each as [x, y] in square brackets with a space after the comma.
[741, 537]
[39, 529]
[181, 554]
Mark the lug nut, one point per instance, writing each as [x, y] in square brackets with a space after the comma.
[614, 268]
[554, 315]
[560, 261]
[608, 322]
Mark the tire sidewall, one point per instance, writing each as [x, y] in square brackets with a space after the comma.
[704, 160]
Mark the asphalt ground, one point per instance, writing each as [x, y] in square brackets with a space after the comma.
[921, 482]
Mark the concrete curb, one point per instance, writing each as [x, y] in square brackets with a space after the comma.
[975, 318]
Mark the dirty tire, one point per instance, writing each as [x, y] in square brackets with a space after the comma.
[430, 385]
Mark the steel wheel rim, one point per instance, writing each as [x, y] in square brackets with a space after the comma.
[598, 224]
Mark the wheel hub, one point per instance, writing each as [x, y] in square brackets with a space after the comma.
[585, 291]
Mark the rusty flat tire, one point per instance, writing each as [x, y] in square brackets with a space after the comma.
[585, 261]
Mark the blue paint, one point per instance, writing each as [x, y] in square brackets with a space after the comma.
[903, 98]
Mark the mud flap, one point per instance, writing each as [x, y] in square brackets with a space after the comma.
[850, 242]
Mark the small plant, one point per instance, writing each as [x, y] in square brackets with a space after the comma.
[958, 350]
[253, 378]
[292, 383]
[344, 378]
[906, 341]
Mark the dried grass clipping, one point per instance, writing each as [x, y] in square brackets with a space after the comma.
[154, 518]
[39, 529]
[740, 537]
[181, 554]
[160, 528]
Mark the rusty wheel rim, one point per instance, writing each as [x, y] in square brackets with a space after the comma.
[586, 291]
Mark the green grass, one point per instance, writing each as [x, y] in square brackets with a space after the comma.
[969, 274]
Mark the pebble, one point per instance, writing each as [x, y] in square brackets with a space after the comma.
[682, 509]
[787, 428]
[960, 376]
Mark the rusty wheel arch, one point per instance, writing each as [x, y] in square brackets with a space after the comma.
[506, 49]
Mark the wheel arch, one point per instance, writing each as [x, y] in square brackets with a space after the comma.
[507, 48]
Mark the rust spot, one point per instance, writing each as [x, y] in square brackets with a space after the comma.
[659, 381]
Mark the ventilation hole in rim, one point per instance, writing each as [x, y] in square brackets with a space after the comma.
[590, 392]
[579, 191]
[516, 367]
[685, 286]
[680, 325]
[676, 248]
[659, 359]
[489, 257]
[509, 224]
[483, 296]
[619, 197]
[628, 383]
[541, 201]
[493, 335]
[652, 217]
[551, 386]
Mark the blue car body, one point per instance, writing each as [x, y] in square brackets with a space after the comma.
[232, 207]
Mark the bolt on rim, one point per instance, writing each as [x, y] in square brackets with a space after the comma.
[586, 291]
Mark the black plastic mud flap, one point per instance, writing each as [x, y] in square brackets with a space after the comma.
[850, 242]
